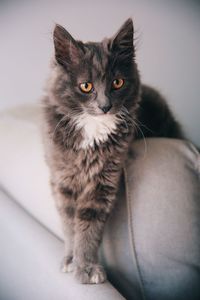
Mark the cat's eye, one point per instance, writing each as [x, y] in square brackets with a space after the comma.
[117, 83]
[86, 87]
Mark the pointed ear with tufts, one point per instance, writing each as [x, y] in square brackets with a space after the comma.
[122, 42]
[67, 50]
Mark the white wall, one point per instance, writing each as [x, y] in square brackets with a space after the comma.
[168, 46]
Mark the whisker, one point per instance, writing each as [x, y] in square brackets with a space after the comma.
[57, 126]
[143, 137]
[124, 114]
[147, 128]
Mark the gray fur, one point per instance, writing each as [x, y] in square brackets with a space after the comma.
[85, 180]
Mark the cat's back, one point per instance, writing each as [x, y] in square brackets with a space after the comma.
[155, 118]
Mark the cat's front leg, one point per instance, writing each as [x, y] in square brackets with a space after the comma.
[66, 208]
[67, 221]
[91, 215]
[88, 234]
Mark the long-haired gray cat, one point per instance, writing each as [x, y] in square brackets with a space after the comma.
[92, 109]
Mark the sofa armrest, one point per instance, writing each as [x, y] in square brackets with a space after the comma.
[29, 260]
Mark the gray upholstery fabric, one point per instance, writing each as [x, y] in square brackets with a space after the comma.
[161, 261]
[29, 260]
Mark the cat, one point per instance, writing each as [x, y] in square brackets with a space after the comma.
[93, 107]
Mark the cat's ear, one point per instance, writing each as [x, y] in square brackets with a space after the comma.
[67, 50]
[122, 42]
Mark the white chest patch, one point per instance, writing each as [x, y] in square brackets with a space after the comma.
[96, 128]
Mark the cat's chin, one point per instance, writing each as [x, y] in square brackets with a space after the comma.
[103, 114]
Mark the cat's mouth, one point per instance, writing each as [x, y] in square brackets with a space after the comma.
[104, 113]
[99, 112]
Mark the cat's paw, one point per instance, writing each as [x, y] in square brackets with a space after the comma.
[91, 273]
[67, 265]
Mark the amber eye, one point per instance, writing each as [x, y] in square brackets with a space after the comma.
[86, 87]
[117, 83]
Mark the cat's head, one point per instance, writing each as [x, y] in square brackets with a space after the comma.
[95, 78]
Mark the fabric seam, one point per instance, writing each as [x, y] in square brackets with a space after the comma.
[131, 235]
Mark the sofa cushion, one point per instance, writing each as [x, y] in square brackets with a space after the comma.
[163, 200]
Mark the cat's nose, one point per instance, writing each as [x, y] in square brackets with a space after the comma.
[105, 108]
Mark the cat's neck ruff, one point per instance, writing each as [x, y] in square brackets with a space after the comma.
[96, 128]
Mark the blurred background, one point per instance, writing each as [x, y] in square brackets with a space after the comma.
[167, 40]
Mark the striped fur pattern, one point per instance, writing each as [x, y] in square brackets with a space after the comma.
[86, 148]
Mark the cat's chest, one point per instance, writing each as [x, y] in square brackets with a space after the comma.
[81, 167]
[95, 129]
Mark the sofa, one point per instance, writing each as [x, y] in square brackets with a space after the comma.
[151, 244]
